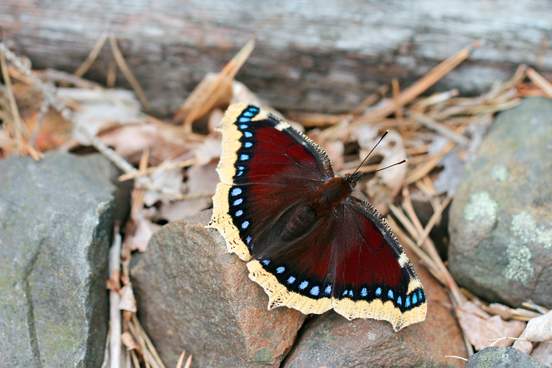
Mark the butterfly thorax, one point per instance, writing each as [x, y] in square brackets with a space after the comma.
[331, 194]
[302, 218]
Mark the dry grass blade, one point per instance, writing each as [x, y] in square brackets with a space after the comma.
[435, 218]
[188, 362]
[311, 120]
[163, 167]
[92, 56]
[422, 170]
[114, 298]
[440, 128]
[434, 99]
[396, 89]
[540, 81]
[209, 92]
[417, 88]
[406, 240]
[180, 361]
[16, 118]
[150, 353]
[49, 94]
[122, 64]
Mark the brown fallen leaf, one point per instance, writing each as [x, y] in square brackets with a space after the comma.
[130, 141]
[483, 331]
[207, 151]
[538, 329]
[386, 184]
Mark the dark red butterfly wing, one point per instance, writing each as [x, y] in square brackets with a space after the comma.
[265, 167]
[348, 260]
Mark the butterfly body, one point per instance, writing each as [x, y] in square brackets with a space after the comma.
[308, 242]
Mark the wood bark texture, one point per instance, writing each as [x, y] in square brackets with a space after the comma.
[310, 55]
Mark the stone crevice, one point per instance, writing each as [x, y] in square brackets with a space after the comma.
[33, 336]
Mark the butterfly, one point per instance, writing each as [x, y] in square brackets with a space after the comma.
[307, 241]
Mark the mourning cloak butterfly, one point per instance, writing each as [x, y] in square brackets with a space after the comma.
[306, 240]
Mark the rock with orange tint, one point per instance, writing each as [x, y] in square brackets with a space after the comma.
[194, 296]
[332, 341]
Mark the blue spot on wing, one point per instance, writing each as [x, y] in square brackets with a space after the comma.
[315, 290]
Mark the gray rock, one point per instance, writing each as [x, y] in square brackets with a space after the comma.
[195, 296]
[56, 219]
[502, 358]
[501, 217]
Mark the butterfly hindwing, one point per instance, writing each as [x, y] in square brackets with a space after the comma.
[347, 260]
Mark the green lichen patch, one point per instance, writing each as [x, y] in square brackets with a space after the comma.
[525, 228]
[500, 173]
[519, 266]
[481, 208]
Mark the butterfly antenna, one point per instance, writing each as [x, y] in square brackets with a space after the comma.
[388, 166]
[369, 153]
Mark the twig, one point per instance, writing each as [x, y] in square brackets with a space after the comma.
[181, 360]
[92, 56]
[188, 362]
[440, 128]
[417, 88]
[396, 89]
[429, 165]
[540, 81]
[122, 64]
[456, 357]
[163, 167]
[209, 91]
[433, 220]
[16, 118]
[49, 93]
[114, 300]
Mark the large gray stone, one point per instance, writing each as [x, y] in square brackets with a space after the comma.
[195, 296]
[56, 219]
[501, 217]
[502, 358]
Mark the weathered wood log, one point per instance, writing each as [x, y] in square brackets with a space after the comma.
[323, 56]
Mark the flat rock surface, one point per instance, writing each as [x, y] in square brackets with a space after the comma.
[56, 220]
[502, 358]
[194, 296]
[333, 342]
[501, 217]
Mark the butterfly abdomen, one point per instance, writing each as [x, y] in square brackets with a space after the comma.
[300, 221]
[303, 218]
